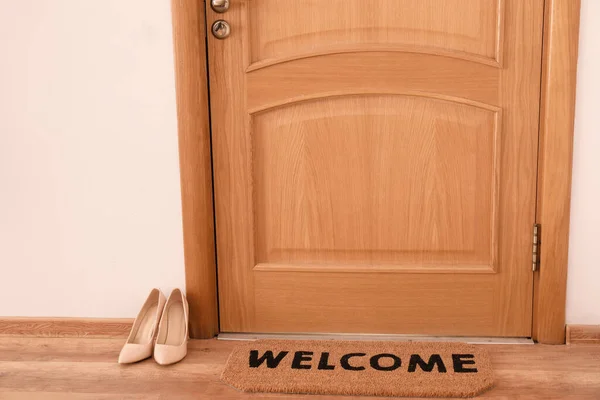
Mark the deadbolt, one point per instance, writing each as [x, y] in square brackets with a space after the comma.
[221, 29]
[219, 6]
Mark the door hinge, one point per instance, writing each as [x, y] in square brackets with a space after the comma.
[536, 247]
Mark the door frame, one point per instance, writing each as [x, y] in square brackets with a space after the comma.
[557, 114]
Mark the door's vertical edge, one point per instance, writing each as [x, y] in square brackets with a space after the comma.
[233, 168]
[195, 165]
[557, 113]
[519, 98]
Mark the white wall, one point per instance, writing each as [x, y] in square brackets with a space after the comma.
[89, 183]
[583, 290]
[89, 187]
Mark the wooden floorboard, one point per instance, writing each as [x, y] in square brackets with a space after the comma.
[81, 368]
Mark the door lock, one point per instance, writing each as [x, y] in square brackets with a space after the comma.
[221, 29]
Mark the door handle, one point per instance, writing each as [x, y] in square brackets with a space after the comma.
[219, 6]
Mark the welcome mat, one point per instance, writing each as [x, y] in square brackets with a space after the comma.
[403, 369]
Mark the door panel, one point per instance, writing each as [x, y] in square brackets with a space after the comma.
[374, 302]
[370, 72]
[340, 25]
[351, 178]
[375, 165]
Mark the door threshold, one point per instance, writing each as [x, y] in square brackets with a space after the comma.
[374, 337]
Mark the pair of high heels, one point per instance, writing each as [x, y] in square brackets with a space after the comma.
[170, 316]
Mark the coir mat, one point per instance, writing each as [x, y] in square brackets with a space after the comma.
[403, 369]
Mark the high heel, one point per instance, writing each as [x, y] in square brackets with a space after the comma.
[141, 338]
[172, 339]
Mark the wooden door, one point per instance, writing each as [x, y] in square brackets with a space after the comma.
[375, 165]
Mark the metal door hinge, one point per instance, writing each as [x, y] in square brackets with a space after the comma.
[536, 247]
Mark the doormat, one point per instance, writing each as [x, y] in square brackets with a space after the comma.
[402, 369]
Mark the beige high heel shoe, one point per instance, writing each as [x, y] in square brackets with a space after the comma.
[171, 343]
[141, 338]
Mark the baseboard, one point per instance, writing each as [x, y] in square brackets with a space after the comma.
[65, 327]
[583, 334]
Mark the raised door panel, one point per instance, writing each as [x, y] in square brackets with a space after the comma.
[460, 28]
[376, 181]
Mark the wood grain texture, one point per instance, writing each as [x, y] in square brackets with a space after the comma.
[583, 334]
[421, 26]
[381, 174]
[384, 303]
[561, 39]
[87, 369]
[521, 93]
[65, 327]
[376, 159]
[195, 163]
[370, 72]
[233, 171]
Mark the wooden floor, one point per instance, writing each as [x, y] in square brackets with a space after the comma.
[87, 369]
